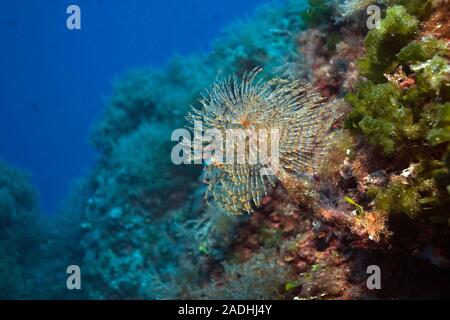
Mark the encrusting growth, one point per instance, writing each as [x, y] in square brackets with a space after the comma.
[290, 113]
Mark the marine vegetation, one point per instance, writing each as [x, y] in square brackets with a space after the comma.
[401, 110]
[363, 176]
[20, 234]
[364, 148]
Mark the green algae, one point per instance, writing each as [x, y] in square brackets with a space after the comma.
[382, 45]
[409, 121]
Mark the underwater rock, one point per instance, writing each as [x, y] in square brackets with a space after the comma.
[376, 179]
[147, 233]
[21, 235]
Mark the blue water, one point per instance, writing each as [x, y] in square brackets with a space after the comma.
[54, 81]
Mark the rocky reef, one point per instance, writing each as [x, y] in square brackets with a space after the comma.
[139, 227]
[20, 234]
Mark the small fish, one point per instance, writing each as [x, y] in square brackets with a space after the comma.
[34, 107]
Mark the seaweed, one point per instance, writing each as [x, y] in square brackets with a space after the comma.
[397, 29]
[399, 110]
[20, 234]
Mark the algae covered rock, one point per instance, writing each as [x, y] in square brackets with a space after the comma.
[20, 234]
[397, 29]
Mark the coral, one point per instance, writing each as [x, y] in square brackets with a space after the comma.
[297, 114]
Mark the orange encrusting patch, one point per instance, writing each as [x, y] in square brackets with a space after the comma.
[245, 121]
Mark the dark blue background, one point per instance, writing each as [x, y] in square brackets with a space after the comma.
[53, 82]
